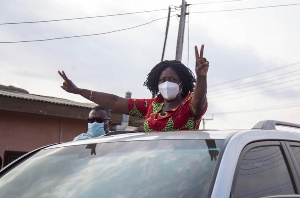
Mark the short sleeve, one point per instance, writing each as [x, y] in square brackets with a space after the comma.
[139, 107]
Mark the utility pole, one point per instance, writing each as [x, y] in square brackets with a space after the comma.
[204, 120]
[166, 34]
[181, 31]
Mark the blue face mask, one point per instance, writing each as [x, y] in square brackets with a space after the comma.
[95, 129]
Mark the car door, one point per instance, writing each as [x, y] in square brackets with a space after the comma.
[266, 169]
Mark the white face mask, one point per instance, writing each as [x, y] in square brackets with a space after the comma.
[168, 90]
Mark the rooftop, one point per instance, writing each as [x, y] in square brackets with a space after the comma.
[47, 99]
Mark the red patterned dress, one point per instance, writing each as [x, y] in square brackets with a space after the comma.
[182, 117]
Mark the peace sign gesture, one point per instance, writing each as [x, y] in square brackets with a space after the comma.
[201, 63]
[68, 85]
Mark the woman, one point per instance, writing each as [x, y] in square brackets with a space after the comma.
[179, 106]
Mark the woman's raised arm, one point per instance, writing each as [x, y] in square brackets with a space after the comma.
[114, 103]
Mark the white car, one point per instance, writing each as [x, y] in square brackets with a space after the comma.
[260, 162]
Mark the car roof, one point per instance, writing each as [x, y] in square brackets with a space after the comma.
[175, 135]
[263, 130]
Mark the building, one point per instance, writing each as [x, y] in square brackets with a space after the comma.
[29, 121]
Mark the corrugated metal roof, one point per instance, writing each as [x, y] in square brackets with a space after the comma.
[46, 99]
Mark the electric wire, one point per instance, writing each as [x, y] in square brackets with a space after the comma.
[222, 100]
[232, 96]
[96, 34]
[138, 12]
[255, 82]
[85, 35]
[244, 89]
[240, 9]
[233, 92]
[289, 65]
[80, 18]
[257, 110]
[239, 92]
[214, 2]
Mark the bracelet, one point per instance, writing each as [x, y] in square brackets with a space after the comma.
[91, 95]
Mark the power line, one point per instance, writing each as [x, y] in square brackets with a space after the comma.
[139, 12]
[256, 110]
[292, 64]
[254, 93]
[226, 94]
[254, 8]
[214, 2]
[80, 18]
[256, 82]
[77, 36]
[252, 83]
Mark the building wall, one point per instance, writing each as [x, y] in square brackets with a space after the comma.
[25, 132]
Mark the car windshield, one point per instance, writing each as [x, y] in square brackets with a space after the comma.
[161, 168]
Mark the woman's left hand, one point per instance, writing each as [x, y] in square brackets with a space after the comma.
[201, 63]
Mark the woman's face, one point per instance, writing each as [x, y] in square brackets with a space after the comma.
[169, 75]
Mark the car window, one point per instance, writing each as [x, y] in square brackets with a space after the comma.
[165, 168]
[296, 151]
[263, 172]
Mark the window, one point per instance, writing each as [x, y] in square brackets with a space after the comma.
[296, 151]
[160, 168]
[263, 171]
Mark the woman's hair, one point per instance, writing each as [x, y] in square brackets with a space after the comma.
[185, 74]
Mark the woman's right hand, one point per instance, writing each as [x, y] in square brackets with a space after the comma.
[68, 85]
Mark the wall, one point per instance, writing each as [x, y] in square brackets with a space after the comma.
[25, 132]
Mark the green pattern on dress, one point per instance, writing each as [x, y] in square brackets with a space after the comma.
[135, 112]
[146, 126]
[156, 107]
[189, 124]
[193, 109]
[198, 122]
[169, 126]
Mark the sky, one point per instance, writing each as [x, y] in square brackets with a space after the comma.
[252, 46]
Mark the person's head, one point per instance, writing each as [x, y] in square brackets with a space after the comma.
[172, 71]
[100, 116]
